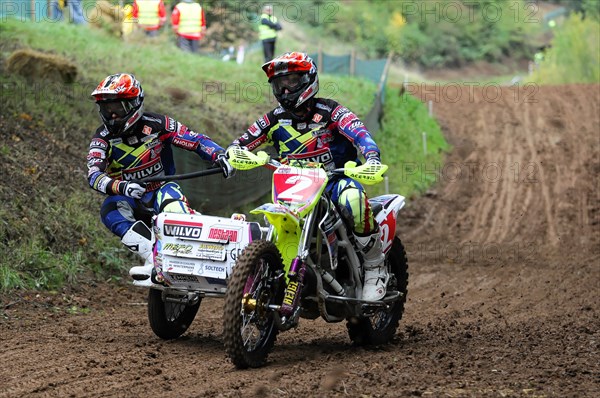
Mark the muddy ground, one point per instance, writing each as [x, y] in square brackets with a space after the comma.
[504, 292]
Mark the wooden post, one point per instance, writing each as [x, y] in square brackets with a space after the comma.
[384, 73]
[320, 60]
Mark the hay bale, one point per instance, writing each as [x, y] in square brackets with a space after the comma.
[38, 65]
[107, 16]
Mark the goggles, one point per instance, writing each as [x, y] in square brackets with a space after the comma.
[120, 108]
[292, 83]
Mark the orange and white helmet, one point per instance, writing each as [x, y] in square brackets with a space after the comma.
[293, 78]
[120, 101]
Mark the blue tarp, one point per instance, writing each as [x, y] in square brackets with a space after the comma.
[24, 10]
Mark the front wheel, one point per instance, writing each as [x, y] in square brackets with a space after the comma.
[169, 320]
[249, 328]
[381, 327]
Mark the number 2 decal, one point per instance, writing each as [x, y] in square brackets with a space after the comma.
[300, 184]
[387, 235]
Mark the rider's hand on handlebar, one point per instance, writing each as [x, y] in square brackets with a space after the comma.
[133, 189]
[226, 167]
[373, 159]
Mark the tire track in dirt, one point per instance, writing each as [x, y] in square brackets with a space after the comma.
[532, 123]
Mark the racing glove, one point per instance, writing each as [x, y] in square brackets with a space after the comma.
[226, 167]
[373, 158]
[132, 189]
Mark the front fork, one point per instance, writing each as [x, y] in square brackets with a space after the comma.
[289, 311]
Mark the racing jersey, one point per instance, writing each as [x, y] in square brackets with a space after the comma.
[329, 133]
[144, 152]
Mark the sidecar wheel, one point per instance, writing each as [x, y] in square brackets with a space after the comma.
[169, 320]
[381, 327]
[249, 329]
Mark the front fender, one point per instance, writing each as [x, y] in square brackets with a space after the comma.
[287, 228]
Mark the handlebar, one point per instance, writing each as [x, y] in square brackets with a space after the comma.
[242, 159]
[186, 176]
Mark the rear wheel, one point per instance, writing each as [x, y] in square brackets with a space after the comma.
[381, 326]
[249, 328]
[169, 320]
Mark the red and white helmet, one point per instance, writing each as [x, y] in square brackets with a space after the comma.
[293, 78]
[120, 101]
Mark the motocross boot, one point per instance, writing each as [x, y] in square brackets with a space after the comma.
[376, 275]
[139, 239]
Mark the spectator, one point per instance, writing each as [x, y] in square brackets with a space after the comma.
[56, 10]
[267, 32]
[128, 21]
[76, 12]
[189, 24]
[150, 14]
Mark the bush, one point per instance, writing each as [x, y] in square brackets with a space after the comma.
[574, 56]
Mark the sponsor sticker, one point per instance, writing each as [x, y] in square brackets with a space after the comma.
[223, 234]
[171, 124]
[186, 144]
[324, 107]
[263, 122]
[211, 251]
[285, 122]
[152, 143]
[215, 271]
[146, 170]
[151, 119]
[347, 119]
[177, 248]
[182, 229]
[301, 126]
[96, 155]
[103, 183]
[171, 264]
[338, 113]
[132, 140]
[253, 130]
[357, 125]
[317, 118]
[151, 137]
[147, 130]
[98, 144]
[92, 162]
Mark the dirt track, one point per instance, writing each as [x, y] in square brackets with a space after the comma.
[504, 292]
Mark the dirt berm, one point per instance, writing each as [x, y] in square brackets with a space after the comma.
[503, 295]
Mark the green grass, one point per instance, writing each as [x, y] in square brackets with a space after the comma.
[50, 230]
[219, 94]
[401, 142]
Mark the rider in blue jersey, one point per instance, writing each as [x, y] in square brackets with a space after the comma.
[322, 130]
[131, 145]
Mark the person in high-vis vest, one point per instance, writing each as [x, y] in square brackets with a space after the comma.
[128, 21]
[150, 15]
[189, 24]
[267, 32]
